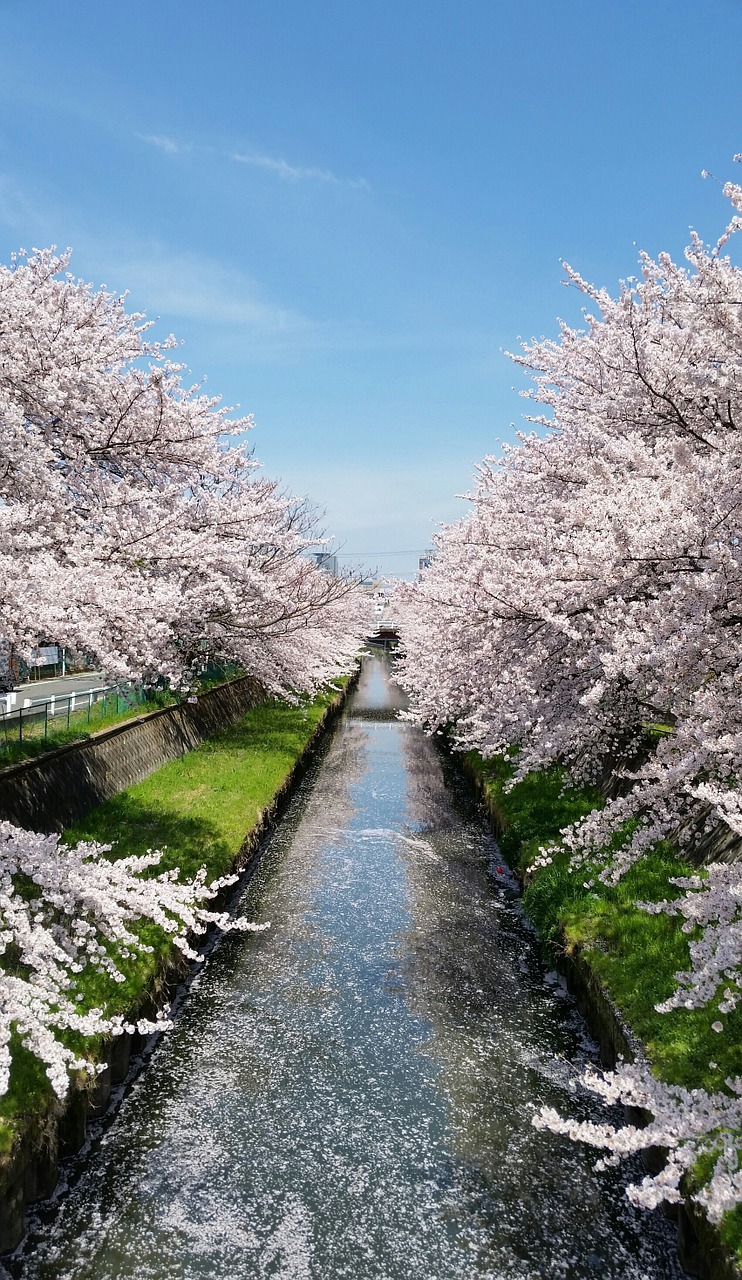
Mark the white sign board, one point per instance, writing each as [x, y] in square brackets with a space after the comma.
[45, 656]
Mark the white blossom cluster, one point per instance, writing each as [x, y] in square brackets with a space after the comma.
[713, 901]
[66, 909]
[687, 1123]
[588, 611]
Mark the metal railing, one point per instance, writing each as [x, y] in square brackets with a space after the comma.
[41, 718]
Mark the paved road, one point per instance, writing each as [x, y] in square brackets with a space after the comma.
[59, 685]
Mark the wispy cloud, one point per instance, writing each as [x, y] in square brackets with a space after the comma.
[176, 285]
[258, 160]
[298, 173]
[219, 297]
[163, 143]
[195, 287]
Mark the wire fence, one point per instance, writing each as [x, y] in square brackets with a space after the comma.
[35, 720]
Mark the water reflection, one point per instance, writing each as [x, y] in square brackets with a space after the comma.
[348, 1094]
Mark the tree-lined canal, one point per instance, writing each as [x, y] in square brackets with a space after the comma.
[349, 1093]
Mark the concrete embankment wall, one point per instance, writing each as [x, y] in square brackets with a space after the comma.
[700, 1247]
[59, 788]
[31, 1172]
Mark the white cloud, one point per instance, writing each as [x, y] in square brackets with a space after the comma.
[176, 285]
[163, 143]
[180, 285]
[297, 173]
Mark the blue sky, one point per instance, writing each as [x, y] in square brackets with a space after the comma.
[347, 210]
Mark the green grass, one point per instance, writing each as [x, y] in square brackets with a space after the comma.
[634, 954]
[636, 957]
[198, 809]
[201, 805]
[535, 810]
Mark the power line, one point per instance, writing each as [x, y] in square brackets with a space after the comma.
[416, 551]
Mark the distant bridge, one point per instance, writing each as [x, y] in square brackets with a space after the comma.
[385, 631]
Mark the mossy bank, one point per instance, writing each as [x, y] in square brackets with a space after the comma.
[619, 961]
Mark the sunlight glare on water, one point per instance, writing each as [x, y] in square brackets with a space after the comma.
[349, 1094]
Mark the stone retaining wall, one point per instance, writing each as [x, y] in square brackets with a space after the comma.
[61, 787]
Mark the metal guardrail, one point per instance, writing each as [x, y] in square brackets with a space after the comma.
[37, 718]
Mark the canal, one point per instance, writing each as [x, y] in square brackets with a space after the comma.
[349, 1094]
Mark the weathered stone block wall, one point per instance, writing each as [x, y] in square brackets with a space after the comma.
[58, 789]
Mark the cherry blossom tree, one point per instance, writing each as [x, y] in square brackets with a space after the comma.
[588, 610]
[594, 591]
[136, 525]
[135, 522]
[687, 1123]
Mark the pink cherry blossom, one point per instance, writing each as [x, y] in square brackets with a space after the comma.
[78, 916]
[135, 526]
[135, 523]
[588, 612]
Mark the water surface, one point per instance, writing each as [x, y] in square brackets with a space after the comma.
[349, 1093]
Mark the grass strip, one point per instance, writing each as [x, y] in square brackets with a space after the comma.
[198, 809]
[635, 955]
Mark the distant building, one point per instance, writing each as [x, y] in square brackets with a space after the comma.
[328, 561]
[424, 561]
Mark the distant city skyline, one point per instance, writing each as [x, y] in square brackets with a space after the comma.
[346, 213]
